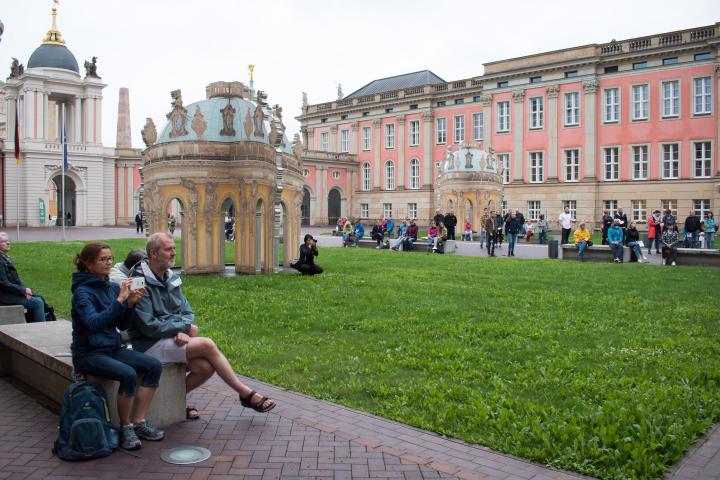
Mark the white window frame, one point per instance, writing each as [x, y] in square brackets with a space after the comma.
[571, 165]
[414, 171]
[670, 161]
[503, 109]
[611, 105]
[441, 130]
[611, 165]
[701, 207]
[412, 211]
[705, 96]
[536, 162]
[504, 160]
[389, 175]
[387, 210]
[458, 128]
[478, 125]
[389, 136]
[536, 112]
[534, 207]
[336, 175]
[639, 210]
[364, 210]
[366, 176]
[324, 141]
[642, 161]
[640, 102]
[572, 109]
[670, 204]
[572, 208]
[414, 132]
[706, 160]
[344, 140]
[611, 206]
[670, 105]
[366, 138]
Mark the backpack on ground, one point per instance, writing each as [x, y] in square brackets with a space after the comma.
[85, 431]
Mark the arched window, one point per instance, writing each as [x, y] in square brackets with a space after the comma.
[366, 177]
[389, 175]
[414, 173]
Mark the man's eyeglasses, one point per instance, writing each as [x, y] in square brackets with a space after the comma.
[109, 259]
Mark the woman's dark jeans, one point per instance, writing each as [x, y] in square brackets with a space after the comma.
[124, 366]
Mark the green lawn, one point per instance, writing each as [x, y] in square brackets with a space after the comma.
[609, 370]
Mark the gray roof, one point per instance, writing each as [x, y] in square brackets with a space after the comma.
[53, 56]
[398, 82]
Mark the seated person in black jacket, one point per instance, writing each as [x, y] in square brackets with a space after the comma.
[308, 252]
[12, 290]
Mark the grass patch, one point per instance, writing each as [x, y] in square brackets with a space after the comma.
[609, 370]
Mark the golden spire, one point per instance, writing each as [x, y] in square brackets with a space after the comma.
[251, 67]
[53, 36]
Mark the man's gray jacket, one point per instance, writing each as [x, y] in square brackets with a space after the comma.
[162, 312]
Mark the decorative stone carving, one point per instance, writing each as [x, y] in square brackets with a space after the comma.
[591, 86]
[209, 207]
[91, 68]
[16, 68]
[468, 159]
[177, 116]
[152, 205]
[486, 99]
[491, 159]
[198, 124]
[228, 114]
[449, 159]
[277, 128]
[553, 91]
[297, 146]
[149, 132]
[304, 100]
[518, 95]
[377, 122]
[339, 91]
[259, 116]
[248, 124]
[191, 210]
[717, 69]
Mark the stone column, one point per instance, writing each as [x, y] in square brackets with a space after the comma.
[39, 113]
[46, 115]
[552, 122]
[487, 120]
[377, 167]
[400, 172]
[333, 138]
[354, 138]
[428, 141]
[27, 117]
[88, 111]
[310, 134]
[123, 139]
[98, 120]
[590, 87]
[304, 133]
[517, 130]
[324, 199]
[77, 121]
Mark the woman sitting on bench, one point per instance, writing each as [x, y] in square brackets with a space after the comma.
[99, 309]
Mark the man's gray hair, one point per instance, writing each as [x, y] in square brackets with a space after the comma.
[153, 243]
[4, 236]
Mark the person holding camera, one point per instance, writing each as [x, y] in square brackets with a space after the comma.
[306, 262]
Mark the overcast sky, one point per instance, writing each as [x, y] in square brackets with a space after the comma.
[155, 46]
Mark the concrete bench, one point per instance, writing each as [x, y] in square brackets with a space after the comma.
[12, 314]
[38, 354]
[698, 257]
[596, 253]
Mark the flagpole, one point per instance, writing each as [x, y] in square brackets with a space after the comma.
[64, 161]
[17, 165]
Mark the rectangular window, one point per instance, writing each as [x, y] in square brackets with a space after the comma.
[412, 211]
[441, 130]
[414, 173]
[389, 109]
[572, 109]
[413, 106]
[536, 79]
[572, 207]
[503, 116]
[572, 165]
[365, 175]
[671, 98]
[640, 102]
[669, 205]
[640, 162]
[344, 141]
[639, 210]
[610, 205]
[670, 60]
[611, 97]
[703, 56]
[459, 128]
[537, 112]
[639, 65]
[504, 160]
[366, 114]
[702, 96]
[366, 138]
[534, 209]
[389, 135]
[477, 126]
[364, 210]
[387, 210]
[503, 206]
[537, 167]
[611, 69]
[476, 98]
[441, 103]
[611, 163]
[414, 128]
[459, 101]
[571, 74]
[702, 159]
[324, 141]
[502, 84]
[670, 160]
[701, 207]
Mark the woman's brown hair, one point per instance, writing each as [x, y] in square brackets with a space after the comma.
[88, 255]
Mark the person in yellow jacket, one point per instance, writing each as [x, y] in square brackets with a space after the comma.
[582, 240]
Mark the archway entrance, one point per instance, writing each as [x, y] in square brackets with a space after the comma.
[56, 201]
[259, 237]
[175, 220]
[229, 232]
[333, 206]
[305, 208]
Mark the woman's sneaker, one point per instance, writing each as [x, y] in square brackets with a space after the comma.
[128, 438]
[147, 431]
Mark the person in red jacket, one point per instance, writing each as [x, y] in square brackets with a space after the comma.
[654, 234]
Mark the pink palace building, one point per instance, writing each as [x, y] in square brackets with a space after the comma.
[631, 123]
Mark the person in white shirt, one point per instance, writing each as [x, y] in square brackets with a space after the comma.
[565, 221]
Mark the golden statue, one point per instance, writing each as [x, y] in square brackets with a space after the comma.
[53, 35]
[251, 68]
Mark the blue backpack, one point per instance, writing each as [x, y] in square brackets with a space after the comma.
[85, 429]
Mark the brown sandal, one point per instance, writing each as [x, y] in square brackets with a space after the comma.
[257, 406]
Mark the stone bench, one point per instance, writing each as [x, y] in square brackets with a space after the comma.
[596, 253]
[698, 257]
[38, 354]
[12, 314]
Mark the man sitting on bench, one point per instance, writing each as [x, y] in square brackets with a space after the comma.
[164, 327]
[12, 290]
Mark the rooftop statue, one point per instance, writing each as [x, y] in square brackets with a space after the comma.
[91, 68]
[16, 68]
